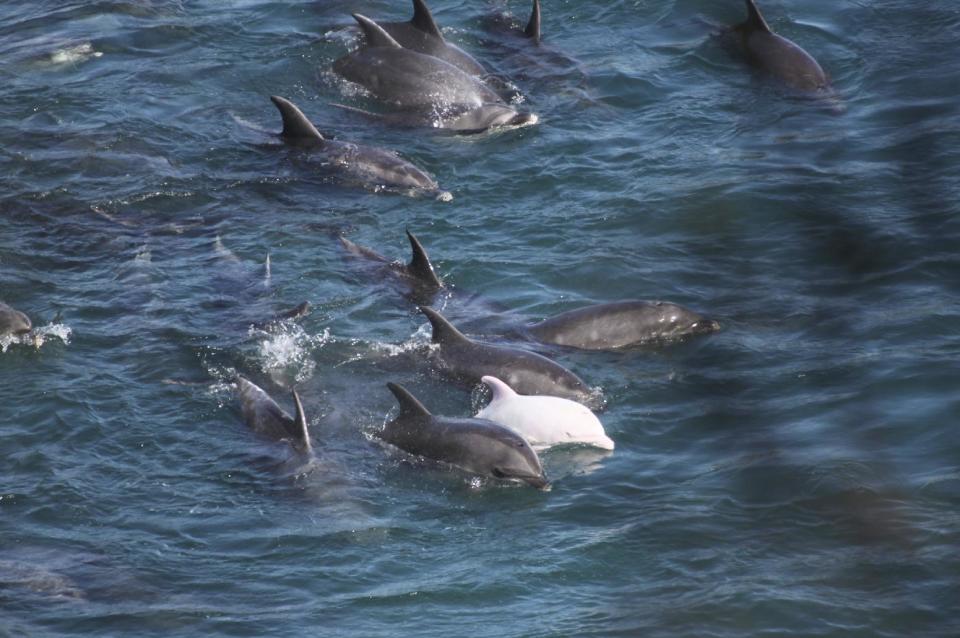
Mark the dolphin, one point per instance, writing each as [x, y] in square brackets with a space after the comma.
[418, 274]
[266, 418]
[368, 163]
[421, 34]
[544, 421]
[778, 56]
[478, 446]
[621, 324]
[424, 88]
[13, 322]
[528, 373]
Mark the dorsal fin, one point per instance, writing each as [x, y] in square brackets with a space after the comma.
[755, 19]
[409, 405]
[443, 330]
[295, 124]
[420, 265]
[533, 26]
[500, 389]
[423, 19]
[300, 432]
[374, 33]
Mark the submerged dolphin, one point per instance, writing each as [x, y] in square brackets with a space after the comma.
[368, 163]
[475, 445]
[621, 324]
[505, 23]
[422, 34]
[528, 373]
[418, 274]
[266, 418]
[778, 56]
[544, 421]
[425, 90]
[13, 322]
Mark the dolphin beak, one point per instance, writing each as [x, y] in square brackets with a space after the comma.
[539, 482]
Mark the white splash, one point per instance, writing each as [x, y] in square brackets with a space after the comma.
[75, 54]
[38, 336]
[288, 345]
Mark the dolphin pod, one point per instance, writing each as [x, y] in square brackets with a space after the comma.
[425, 90]
[544, 421]
[468, 361]
[422, 34]
[476, 445]
[368, 163]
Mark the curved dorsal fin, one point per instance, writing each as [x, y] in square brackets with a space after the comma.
[443, 330]
[295, 123]
[533, 26]
[423, 20]
[755, 19]
[500, 389]
[420, 265]
[300, 432]
[409, 405]
[374, 33]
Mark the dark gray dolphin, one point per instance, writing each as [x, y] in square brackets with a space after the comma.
[778, 56]
[479, 446]
[424, 88]
[418, 274]
[468, 361]
[13, 322]
[621, 324]
[266, 418]
[422, 34]
[370, 164]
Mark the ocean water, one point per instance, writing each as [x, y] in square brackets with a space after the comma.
[796, 474]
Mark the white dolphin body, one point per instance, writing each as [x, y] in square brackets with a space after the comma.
[544, 421]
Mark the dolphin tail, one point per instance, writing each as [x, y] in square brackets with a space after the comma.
[755, 18]
[423, 19]
[420, 265]
[374, 33]
[409, 405]
[295, 123]
[443, 330]
[533, 26]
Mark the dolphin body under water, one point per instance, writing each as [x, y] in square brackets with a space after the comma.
[417, 275]
[424, 90]
[262, 415]
[13, 322]
[778, 56]
[369, 164]
[528, 373]
[544, 421]
[621, 324]
[476, 445]
[422, 34]
[505, 23]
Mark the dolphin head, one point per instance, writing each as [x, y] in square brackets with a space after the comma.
[490, 116]
[13, 321]
[675, 321]
[513, 458]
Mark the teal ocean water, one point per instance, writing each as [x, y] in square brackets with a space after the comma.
[796, 474]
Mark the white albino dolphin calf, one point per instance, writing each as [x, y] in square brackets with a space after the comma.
[544, 421]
